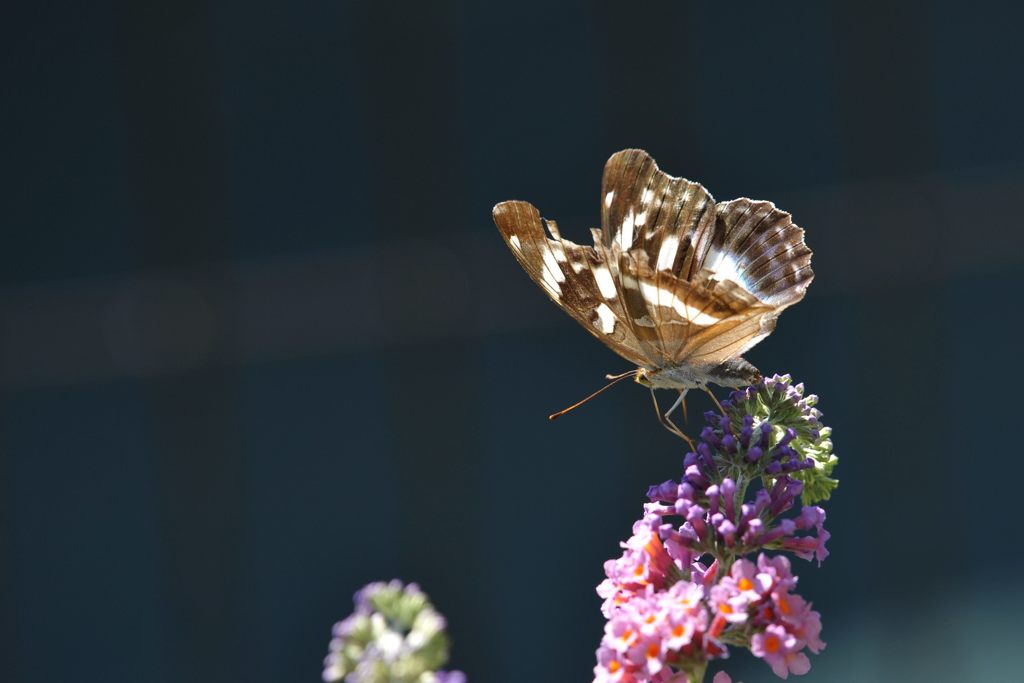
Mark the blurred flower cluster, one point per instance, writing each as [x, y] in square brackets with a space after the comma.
[394, 636]
[694, 577]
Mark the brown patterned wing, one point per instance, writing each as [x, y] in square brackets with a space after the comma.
[670, 219]
[757, 250]
[656, 231]
[575, 277]
[672, 278]
[698, 320]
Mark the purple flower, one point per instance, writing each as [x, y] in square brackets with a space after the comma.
[777, 419]
[449, 677]
[670, 606]
[808, 547]
[711, 518]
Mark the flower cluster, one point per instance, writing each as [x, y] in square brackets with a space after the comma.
[715, 523]
[801, 443]
[394, 636]
[758, 602]
[683, 590]
[657, 621]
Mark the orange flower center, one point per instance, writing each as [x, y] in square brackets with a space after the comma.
[745, 584]
[654, 548]
[784, 606]
[771, 644]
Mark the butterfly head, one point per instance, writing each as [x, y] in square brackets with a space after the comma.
[643, 377]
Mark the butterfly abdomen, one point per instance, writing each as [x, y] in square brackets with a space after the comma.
[733, 373]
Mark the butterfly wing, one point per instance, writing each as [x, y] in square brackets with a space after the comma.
[698, 283]
[758, 246]
[669, 219]
[757, 250]
[655, 228]
[672, 278]
[576, 277]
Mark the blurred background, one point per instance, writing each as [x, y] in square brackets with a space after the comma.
[260, 342]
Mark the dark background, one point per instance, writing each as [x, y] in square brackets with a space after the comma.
[261, 342]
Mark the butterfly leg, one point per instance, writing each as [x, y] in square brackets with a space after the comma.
[712, 395]
[667, 423]
[681, 401]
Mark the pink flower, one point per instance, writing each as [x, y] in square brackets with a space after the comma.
[620, 634]
[796, 615]
[652, 631]
[686, 615]
[644, 565]
[732, 607]
[702, 574]
[743, 587]
[781, 651]
[669, 676]
[609, 669]
[808, 629]
[778, 568]
[722, 677]
[789, 608]
[680, 634]
[632, 647]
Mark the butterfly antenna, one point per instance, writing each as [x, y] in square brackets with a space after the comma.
[615, 379]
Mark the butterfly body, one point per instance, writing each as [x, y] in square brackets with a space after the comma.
[675, 283]
[734, 373]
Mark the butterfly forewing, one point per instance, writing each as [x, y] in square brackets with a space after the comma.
[574, 276]
[662, 225]
[670, 219]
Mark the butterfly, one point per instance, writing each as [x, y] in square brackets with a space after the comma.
[675, 283]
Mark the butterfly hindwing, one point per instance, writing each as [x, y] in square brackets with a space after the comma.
[756, 249]
[763, 247]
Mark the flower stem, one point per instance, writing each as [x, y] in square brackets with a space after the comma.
[696, 674]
